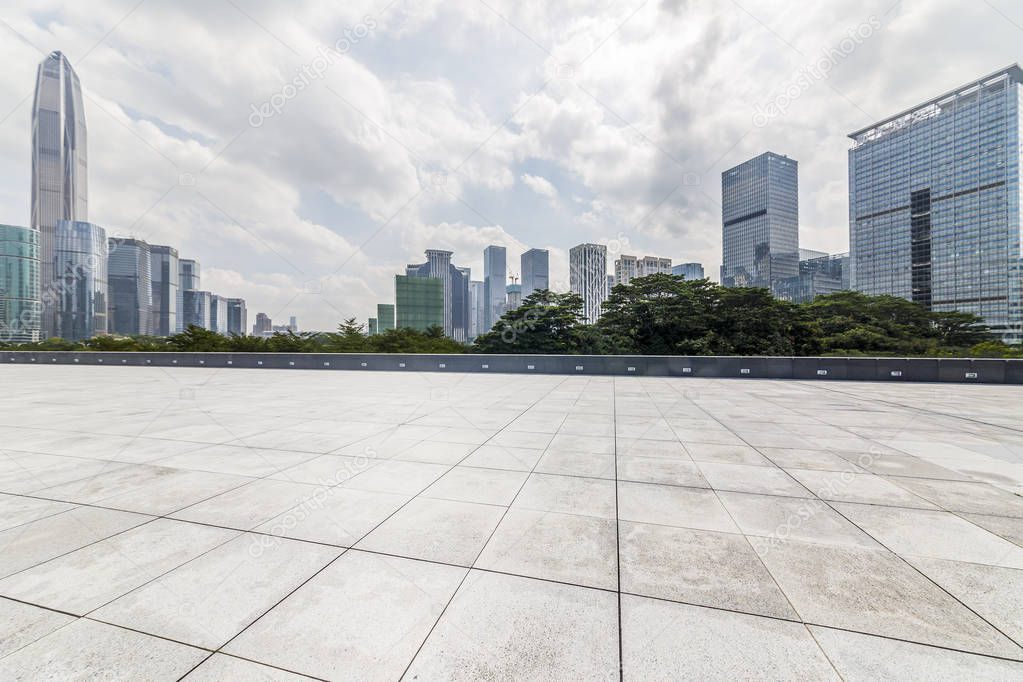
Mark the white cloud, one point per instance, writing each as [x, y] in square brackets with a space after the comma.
[540, 185]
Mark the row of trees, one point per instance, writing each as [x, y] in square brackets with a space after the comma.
[654, 315]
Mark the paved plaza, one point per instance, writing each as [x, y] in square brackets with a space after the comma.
[159, 524]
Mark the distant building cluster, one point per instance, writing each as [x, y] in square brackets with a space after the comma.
[64, 276]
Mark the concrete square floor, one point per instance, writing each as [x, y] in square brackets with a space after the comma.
[206, 524]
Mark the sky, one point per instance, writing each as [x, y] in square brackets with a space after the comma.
[305, 151]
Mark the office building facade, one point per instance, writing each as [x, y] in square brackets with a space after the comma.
[165, 271]
[418, 302]
[760, 221]
[688, 270]
[536, 271]
[19, 285]
[455, 288]
[385, 317]
[477, 309]
[188, 280]
[218, 314]
[263, 325]
[237, 317]
[80, 286]
[130, 283]
[819, 275]
[513, 296]
[628, 268]
[934, 203]
[495, 279]
[588, 277]
[59, 165]
[197, 310]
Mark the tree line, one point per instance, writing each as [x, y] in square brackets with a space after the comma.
[654, 315]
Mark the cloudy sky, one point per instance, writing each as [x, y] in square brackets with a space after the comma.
[304, 151]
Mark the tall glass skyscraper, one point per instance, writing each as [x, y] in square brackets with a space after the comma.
[536, 271]
[131, 287]
[188, 280]
[495, 279]
[419, 302]
[760, 221]
[59, 164]
[19, 284]
[218, 314]
[164, 268]
[934, 203]
[385, 317]
[198, 309]
[455, 286]
[80, 280]
[588, 277]
[237, 317]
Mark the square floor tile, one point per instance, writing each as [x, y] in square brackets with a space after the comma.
[843, 486]
[335, 516]
[16, 510]
[220, 667]
[662, 640]
[570, 463]
[87, 650]
[436, 530]
[725, 453]
[395, 476]
[568, 495]
[90, 577]
[660, 470]
[363, 617]
[668, 505]
[504, 627]
[875, 592]
[781, 518]
[698, 567]
[961, 496]
[503, 457]
[472, 484]
[250, 505]
[581, 550]
[22, 624]
[745, 478]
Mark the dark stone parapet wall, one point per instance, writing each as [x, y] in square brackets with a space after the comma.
[951, 370]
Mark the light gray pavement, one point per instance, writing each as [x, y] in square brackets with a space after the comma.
[281, 525]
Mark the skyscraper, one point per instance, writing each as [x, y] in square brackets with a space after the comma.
[688, 270]
[263, 325]
[218, 314]
[626, 268]
[477, 309]
[80, 280]
[197, 309]
[19, 284]
[130, 282]
[760, 221]
[588, 277]
[385, 317]
[59, 165]
[237, 317]
[536, 271]
[455, 288]
[513, 296]
[629, 267]
[165, 272]
[188, 280]
[934, 203]
[495, 279]
[419, 302]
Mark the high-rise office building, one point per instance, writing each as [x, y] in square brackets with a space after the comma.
[19, 285]
[513, 296]
[934, 203]
[130, 283]
[385, 317]
[760, 221]
[188, 280]
[588, 277]
[630, 267]
[263, 325]
[536, 271]
[165, 271]
[237, 317]
[455, 287]
[59, 165]
[688, 270]
[477, 309]
[495, 279]
[197, 310]
[80, 280]
[218, 314]
[819, 274]
[418, 302]
[372, 327]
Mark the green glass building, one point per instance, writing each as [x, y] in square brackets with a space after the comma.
[19, 284]
[371, 327]
[385, 317]
[419, 302]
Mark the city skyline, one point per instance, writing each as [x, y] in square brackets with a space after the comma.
[254, 223]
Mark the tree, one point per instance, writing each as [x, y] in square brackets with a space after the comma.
[659, 314]
[545, 322]
[960, 330]
[350, 338]
[197, 340]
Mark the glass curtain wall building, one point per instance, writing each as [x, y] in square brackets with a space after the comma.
[19, 284]
[80, 285]
[495, 279]
[164, 269]
[536, 271]
[131, 287]
[688, 270]
[455, 286]
[419, 302]
[237, 317]
[760, 221]
[385, 316]
[59, 165]
[934, 203]
[188, 280]
[198, 308]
